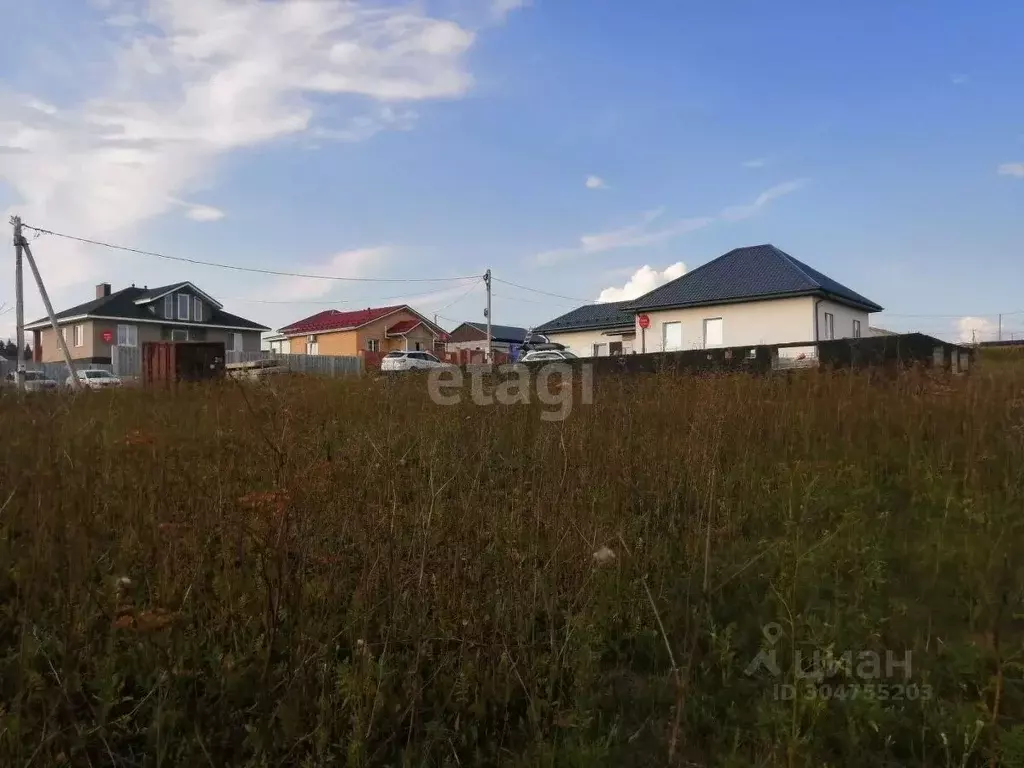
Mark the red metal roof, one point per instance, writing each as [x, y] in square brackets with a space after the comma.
[403, 327]
[333, 320]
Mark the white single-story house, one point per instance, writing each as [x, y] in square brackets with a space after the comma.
[594, 330]
[748, 296]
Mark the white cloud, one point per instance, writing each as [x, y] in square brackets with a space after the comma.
[595, 182]
[975, 329]
[193, 80]
[1012, 169]
[959, 79]
[740, 212]
[204, 213]
[360, 262]
[643, 281]
[637, 235]
[502, 8]
[632, 236]
[759, 162]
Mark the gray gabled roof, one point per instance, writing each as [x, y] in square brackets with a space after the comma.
[509, 333]
[590, 317]
[748, 274]
[122, 305]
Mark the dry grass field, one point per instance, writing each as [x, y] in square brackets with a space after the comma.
[325, 572]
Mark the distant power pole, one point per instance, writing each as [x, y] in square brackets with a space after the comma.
[1000, 336]
[20, 246]
[19, 300]
[487, 313]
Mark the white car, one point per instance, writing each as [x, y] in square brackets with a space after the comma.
[95, 378]
[548, 356]
[411, 361]
[35, 381]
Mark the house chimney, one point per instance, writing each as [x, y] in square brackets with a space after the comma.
[102, 290]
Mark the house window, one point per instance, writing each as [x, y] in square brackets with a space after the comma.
[373, 345]
[127, 336]
[197, 310]
[169, 306]
[672, 336]
[615, 348]
[179, 334]
[236, 343]
[183, 302]
[80, 335]
[64, 333]
[312, 348]
[713, 333]
[600, 350]
[856, 329]
[830, 325]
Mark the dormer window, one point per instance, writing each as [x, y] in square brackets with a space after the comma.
[183, 303]
[169, 306]
[197, 310]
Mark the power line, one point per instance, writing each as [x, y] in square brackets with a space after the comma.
[361, 300]
[532, 301]
[962, 314]
[460, 298]
[546, 293]
[255, 270]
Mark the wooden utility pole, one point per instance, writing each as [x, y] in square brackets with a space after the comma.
[487, 282]
[19, 300]
[1000, 337]
[53, 318]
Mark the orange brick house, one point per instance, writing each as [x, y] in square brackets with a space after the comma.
[372, 330]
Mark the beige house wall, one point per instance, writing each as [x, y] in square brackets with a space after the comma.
[94, 346]
[352, 342]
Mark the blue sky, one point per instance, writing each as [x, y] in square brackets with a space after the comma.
[881, 143]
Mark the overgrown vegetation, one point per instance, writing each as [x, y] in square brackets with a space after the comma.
[344, 573]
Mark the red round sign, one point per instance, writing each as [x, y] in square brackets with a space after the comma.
[644, 321]
[108, 336]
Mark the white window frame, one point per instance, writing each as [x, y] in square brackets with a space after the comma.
[130, 335]
[179, 330]
[169, 306]
[373, 345]
[197, 309]
[830, 326]
[597, 347]
[237, 344]
[664, 336]
[856, 329]
[80, 335]
[312, 347]
[64, 333]
[721, 334]
[187, 305]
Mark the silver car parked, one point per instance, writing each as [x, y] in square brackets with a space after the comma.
[35, 381]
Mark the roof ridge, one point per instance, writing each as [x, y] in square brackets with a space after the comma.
[792, 263]
[691, 272]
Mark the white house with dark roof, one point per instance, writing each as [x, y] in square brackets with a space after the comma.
[748, 296]
[594, 330]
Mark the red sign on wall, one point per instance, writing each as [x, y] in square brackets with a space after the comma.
[108, 337]
[644, 321]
